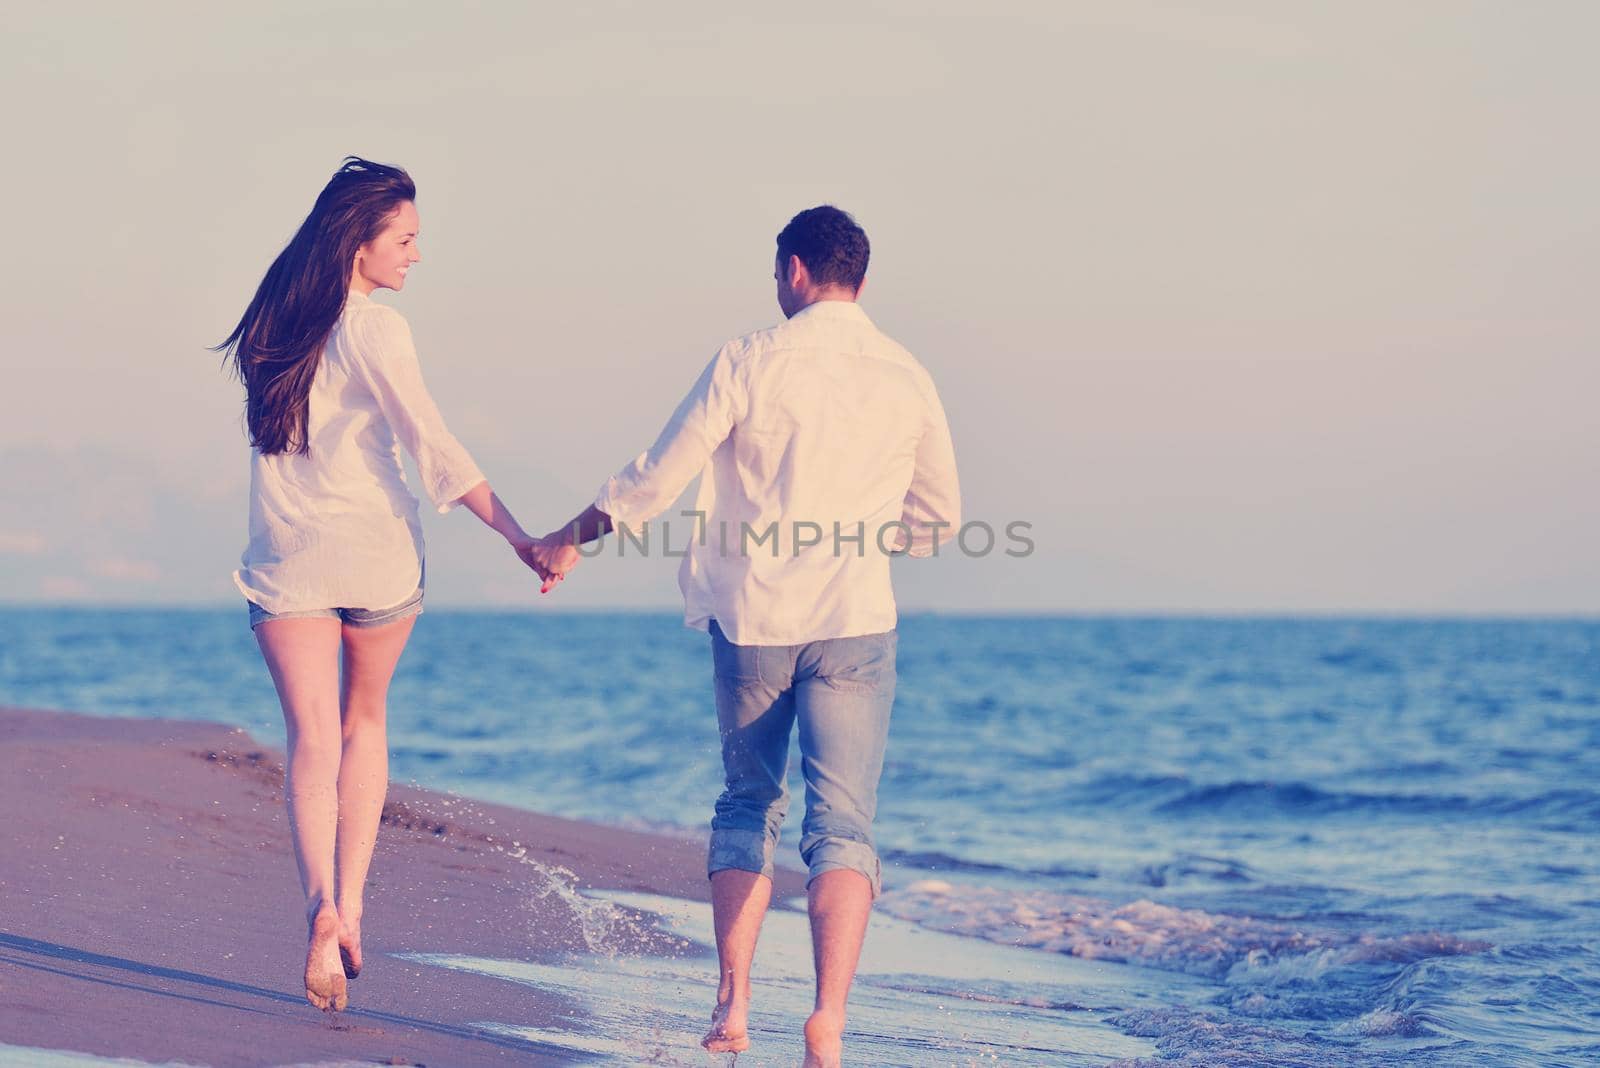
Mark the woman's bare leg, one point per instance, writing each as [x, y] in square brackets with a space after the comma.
[370, 656]
[303, 656]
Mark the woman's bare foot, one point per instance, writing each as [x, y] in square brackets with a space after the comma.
[824, 1040]
[350, 944]
[728, 1033]
[325, 987]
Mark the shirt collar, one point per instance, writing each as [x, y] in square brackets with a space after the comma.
[832, 309]
[355, 296]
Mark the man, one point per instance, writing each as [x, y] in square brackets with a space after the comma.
[829, 453]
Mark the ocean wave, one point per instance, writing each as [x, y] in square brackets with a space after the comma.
[1189, 865]
[1234, 798]
[1362, 660]
[1216, 946]
[1181, 796]
[1118, 786]
[1386, 1023]
[1248, 797]
[1187, 1038]
[935, 860]
[1182, 868]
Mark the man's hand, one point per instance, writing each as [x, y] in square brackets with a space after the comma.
[550, 557]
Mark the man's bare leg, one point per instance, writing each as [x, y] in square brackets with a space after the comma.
[840, 902]
[739, 901]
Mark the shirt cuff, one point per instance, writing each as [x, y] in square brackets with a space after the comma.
[448, 494]
[606, 501]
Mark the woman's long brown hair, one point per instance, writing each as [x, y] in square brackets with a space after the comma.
[277, 346]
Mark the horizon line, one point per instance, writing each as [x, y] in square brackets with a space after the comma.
[1095, 613]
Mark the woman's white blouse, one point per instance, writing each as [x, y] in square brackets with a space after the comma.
[338, 527]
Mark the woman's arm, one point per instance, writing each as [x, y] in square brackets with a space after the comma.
[386, 362]
[391, 370]
[483, 502]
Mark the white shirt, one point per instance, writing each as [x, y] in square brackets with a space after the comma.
[820, 420]
[338, 527]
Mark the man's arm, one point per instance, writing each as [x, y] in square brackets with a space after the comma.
[586, 526]
[932, 508]
[644, 488]
[703, 420]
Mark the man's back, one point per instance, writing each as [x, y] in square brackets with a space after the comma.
[826, 437]
[825, 453]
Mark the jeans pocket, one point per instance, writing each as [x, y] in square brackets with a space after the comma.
[737, 667]
[859, 665]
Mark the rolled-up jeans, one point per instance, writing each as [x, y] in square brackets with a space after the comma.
[840, 692]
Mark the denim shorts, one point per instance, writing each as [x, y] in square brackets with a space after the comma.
[350, 617]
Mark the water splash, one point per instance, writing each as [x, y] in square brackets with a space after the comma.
[606, 929]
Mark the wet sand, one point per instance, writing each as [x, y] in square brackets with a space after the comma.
[149, 907]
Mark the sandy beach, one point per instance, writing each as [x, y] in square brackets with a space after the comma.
[152, 911]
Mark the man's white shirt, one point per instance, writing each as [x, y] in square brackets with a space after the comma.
[828, 452]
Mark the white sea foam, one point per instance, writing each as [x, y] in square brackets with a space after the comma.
[1218, 946]
[921, 998]
[35, 1057]
[1385, 1023]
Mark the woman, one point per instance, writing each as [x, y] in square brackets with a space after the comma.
[334, 567]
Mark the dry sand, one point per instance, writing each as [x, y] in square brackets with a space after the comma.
[149, 906]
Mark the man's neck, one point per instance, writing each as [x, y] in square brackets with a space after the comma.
[827, 293]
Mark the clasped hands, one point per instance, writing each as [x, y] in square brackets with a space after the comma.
[550, 557]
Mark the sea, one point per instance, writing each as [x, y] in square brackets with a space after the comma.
[1107, 841]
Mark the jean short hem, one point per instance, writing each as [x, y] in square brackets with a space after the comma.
[847, 856]
[259, 615]
[395, 616]
[358, 618]
[737, 849]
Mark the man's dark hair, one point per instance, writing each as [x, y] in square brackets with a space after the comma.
[830, 244]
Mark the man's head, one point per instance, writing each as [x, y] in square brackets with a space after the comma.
[822, 255]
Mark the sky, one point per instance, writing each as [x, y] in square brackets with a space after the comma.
[1245, 307]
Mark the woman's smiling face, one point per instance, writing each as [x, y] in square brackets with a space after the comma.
[382, 263]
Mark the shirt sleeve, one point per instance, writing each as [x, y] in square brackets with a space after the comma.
[388, 365]
[644, 488]
[932, 508]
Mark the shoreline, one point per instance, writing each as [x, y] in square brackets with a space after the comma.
[152, 910]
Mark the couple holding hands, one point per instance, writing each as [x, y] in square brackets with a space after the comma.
[820, 423]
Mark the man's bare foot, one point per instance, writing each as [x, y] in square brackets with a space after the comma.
[350, 944]
[728, 1028]
[325, 987]
[824, 1040]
